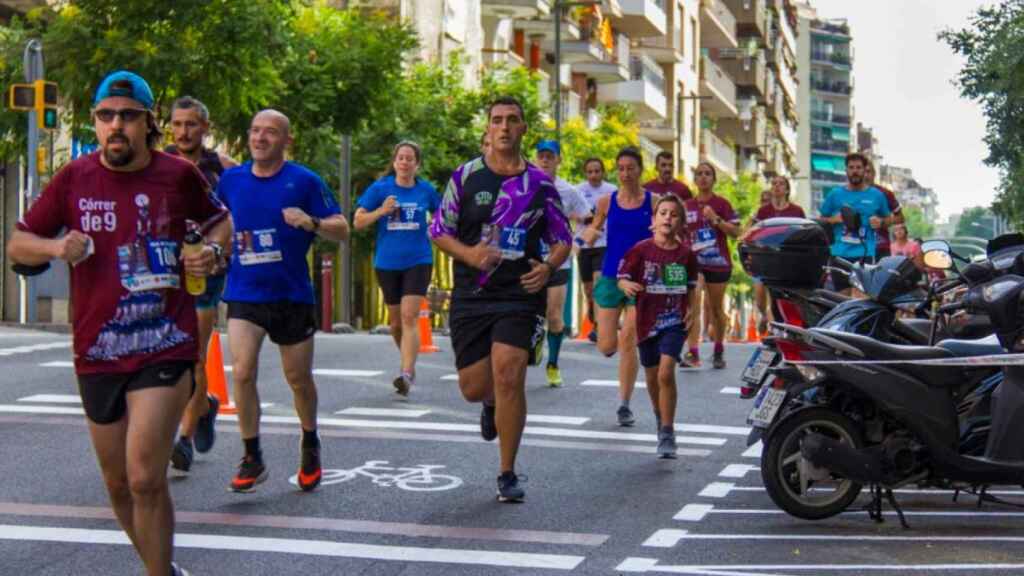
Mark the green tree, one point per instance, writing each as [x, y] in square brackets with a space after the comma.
[993, 75]
[976, 221]
[617, 129]
[917, 226]
[745, 196]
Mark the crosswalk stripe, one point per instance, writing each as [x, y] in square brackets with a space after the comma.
[303, 547]
[34, 348]
[609, 383]
[347, 373]
[54, 398]
[393, 412]
[564, 420]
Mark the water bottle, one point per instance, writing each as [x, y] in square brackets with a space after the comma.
[195, 285]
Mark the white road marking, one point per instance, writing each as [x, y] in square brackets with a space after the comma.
[406, 425]
[717, 490]
[450, 377]
[564, 420]
[34, 348]
[852, 538]
[347, 373]
[754, 451]
[693, 512]
[306, 547]
[641, 565]
[665, 538]
[53, 398]
[731, 390]
[905, 491]
[933, 513]
[58, 364]
[614, 383]
[713, 429]
[393, 412]
[737, 470]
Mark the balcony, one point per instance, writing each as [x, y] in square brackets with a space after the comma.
[717, 25]
[546, 28]
[835, 88]
[788, 35]
[824, 117]
[642, 18]
[787, 132]
[645, 90]
[831, 177]
[721, 155]
[749, 72]
[749, 130]
[661, 49]
[834, 59]
[514, 9]
[830, 146]
[838, 29]
[751, 18]
[716, 84]
[501, 56]
[658, 131]
[610, 67]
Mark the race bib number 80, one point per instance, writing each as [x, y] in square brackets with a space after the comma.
[257, 246]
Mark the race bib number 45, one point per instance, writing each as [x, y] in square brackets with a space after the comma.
[258, 246]
[512, 243]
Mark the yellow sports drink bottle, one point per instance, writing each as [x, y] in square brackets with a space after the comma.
[195, 285]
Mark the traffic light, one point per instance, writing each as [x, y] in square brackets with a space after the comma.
[46, 104]
[21, 97]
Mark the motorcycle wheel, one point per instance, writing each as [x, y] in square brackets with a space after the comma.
[793, 483]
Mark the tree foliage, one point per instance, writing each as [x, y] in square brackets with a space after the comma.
[993, 75]
[917, 226]
[975, 222]
[745, 196]
[616, 130]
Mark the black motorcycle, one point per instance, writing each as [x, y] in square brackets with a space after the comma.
[886, 415]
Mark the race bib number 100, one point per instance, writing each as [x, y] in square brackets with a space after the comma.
[148, 265]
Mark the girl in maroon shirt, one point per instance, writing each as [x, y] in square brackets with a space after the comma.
[778, 206]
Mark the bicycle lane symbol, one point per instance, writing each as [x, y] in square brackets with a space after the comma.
[419, 478]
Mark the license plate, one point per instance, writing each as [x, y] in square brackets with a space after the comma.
[766, 405]
[759, 363]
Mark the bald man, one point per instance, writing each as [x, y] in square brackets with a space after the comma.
[279, 207]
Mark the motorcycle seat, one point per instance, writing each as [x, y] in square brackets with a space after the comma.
[834, 297]
[986, 346]
[877, 350]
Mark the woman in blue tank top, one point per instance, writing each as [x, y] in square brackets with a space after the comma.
[626, 215]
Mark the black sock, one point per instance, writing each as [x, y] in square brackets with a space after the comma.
[310, 439]
[252, 447]
[187, 441]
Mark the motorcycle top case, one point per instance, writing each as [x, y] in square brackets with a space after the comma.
[788, 252]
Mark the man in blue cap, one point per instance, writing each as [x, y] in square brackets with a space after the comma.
[135, 344]
[549, 158]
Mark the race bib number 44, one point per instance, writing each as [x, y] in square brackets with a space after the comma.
[704, 239]
[258, 246]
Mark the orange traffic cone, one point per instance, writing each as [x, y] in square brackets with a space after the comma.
[216, 383]
[426, 332]
[752, 335]
[586, 327]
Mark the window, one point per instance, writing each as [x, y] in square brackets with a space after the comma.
[693, 40]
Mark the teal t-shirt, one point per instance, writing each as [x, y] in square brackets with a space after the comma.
[868, 202]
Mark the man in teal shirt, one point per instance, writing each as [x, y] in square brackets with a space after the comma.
[866, 200]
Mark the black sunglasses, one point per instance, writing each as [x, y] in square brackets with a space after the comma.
[106, 115]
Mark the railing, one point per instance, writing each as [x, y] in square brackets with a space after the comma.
[718, 79]
[788, 36]
[830, 118]
[830, 145]
[644, 68]
[713, 147]
[662, 42]
[833, 87]
[789, 135]
[721, 12]
[831, 58]
[831, 28]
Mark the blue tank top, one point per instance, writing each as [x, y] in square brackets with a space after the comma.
[625, 228]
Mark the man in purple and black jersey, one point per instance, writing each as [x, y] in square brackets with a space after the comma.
[495, 212]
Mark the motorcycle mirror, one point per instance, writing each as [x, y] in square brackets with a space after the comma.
[938, 259]
[930, 245]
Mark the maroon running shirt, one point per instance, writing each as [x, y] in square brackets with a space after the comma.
[709, 242]
[675, 186]
[767, 211]
[882, 241]
[667, 277]
[130, 305]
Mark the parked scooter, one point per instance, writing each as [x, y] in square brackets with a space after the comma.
[886, 414]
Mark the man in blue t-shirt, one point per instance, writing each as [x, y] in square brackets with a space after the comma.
[279, 207]
[868, 201]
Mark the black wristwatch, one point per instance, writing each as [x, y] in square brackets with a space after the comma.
[218, 251]
[316, 223]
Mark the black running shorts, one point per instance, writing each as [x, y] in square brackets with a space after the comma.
[559, 278]
[590, 261]
[104, 395]
[473, 334]
[286, 322]
[409, 282]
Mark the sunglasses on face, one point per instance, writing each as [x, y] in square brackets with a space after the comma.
[107, 115]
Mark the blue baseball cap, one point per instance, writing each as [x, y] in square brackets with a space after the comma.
[549, 145]
[127, 84]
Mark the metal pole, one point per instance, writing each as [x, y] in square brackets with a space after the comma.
[558, 70]
[33, 61]
[345, 249]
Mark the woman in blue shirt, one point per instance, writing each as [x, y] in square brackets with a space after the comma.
[398, 204]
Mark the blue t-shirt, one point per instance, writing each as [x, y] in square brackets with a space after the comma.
[869, 202]
[268, 262]
[402, 240]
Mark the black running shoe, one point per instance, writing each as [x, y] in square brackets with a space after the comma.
[251, 472]
[181, 458]
[310, 470]
[625, 416]
[509, 487]
[718, 361]
[205, 434]
[178, 571]
[488, 429]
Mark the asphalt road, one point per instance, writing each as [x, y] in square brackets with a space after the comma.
[413, 484]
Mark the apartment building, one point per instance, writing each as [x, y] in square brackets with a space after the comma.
[826, 106]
